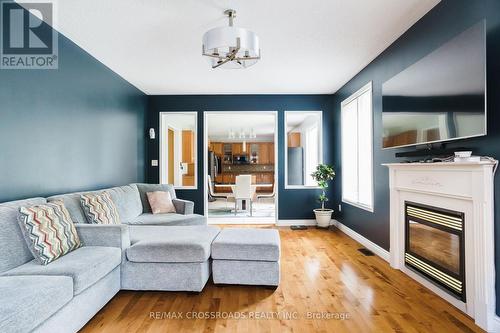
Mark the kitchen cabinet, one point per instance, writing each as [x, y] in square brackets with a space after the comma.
[187, 146]
[187, 180]
[271, 153]
[217, 148]
[237, 148]
[265, 178]
[228, 178]
[263, 153]
[293, 139]
[266, 153]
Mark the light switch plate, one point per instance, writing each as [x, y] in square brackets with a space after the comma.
[154, 163]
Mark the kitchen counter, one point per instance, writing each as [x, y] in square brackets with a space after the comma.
[247, 168]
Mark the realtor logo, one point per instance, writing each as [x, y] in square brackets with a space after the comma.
[28, 40]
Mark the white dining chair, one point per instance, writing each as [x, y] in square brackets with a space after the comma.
[243, 190]
[267, 195]
[214, 195]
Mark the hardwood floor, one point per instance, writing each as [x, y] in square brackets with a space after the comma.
[323, 274]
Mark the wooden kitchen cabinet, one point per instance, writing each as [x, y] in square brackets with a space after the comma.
[266, 153]
[271, 153]
[228, 178]
[268, 178]
[237, 148]
[217, 148]
[263, 153]
[293, 139]
[265, 178]
[187, 146]
[187, 180]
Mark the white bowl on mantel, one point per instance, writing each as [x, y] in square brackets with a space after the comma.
[463, 154]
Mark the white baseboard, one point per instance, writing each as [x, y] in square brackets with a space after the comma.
[287, 223]
[382, 253]
[241, 220]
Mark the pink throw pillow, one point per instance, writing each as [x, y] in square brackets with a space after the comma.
[160, 202]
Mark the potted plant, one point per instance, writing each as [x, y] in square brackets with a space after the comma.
[323, 174]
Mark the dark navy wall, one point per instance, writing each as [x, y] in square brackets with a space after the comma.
[75, 128]
[293, 204]
[446, 20]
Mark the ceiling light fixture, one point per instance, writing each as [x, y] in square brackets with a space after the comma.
[231, 47]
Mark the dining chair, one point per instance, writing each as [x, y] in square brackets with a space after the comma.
[243, 190]
[267, 195]
[212, 193]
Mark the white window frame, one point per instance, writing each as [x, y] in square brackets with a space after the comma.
[164, 150]
[366, 88]
[320, 148]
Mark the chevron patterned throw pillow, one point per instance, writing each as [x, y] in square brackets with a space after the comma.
[99, 208]
[48, 230]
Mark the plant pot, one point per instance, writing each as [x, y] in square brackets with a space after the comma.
[323, 217]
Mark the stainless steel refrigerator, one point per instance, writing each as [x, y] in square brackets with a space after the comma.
[214, 168]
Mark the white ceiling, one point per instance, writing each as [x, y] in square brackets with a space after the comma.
[307, 47]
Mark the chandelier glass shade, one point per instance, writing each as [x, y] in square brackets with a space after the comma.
[231, 47]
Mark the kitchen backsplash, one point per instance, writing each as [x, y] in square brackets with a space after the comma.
[247, 168]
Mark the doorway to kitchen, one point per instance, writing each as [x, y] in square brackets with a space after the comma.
[240, 167]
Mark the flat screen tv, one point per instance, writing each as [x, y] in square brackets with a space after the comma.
[442, 97]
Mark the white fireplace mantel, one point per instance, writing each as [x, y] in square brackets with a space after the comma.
[464, 187]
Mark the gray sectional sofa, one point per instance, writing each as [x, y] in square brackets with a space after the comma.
[167, 252]
[145, 252]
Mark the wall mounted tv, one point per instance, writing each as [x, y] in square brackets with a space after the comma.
[442, 97]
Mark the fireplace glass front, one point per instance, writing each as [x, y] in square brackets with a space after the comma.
[435, 246]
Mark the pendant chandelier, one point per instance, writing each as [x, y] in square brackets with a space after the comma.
[231, 47]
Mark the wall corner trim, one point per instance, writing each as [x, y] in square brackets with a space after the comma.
[379, 251]
[496, 324]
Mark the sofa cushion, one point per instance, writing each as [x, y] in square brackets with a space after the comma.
[27, 301]
[86, 266]
[170, 219]
[73, 205]
[171, 244]
[99, 208]
[126, 199]
[13, 248]
[247, 244]
[145, 188]
[48, 230]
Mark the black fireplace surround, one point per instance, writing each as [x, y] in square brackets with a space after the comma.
[434, 246]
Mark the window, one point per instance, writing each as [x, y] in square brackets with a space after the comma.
[303, 147]
[357, 149]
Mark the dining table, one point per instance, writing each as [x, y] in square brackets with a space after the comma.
[254, 186]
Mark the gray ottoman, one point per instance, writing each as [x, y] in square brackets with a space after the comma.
[246, 256]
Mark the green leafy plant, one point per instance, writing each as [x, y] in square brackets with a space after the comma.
[323, 174]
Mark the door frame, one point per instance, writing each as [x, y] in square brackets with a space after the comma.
[205, 162]
[164, 148]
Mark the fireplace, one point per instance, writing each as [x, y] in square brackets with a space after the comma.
[434, 246]
[449, 251]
